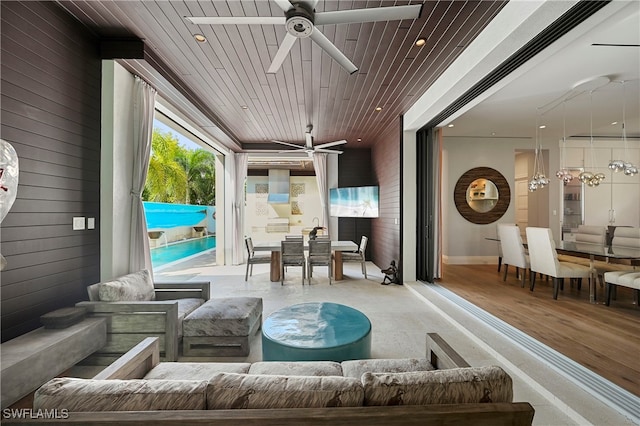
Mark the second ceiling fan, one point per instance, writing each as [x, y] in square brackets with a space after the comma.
[301, 19]
[309, 148]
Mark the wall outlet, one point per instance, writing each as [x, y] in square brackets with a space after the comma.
[78, 223]
[91, 223]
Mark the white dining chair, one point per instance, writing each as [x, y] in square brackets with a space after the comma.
[543, 259]
[499, 245]
[513, 252]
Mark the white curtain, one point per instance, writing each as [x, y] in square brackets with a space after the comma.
[143, 110]
[239, 176]
[320, 166]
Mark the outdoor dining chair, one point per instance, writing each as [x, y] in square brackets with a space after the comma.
[292, 254]
[254, 258]
[319, 255]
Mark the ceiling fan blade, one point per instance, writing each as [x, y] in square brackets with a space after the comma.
[328, 151]
[328, 144]
[236, 20]
[288, 144]
[322, 41]
[282, 53]
[390, 13]
[284, 4]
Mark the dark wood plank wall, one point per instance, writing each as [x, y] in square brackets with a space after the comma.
[51, 86]
[385, 231]
[354, 169]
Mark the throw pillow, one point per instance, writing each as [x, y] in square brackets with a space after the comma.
[134, 287]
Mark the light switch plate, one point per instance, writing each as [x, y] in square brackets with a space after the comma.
[91, 223]
[78, 223]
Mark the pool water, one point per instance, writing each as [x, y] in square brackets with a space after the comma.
[164, 255]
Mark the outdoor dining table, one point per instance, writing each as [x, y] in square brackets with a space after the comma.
[274, 247]
[593, 251]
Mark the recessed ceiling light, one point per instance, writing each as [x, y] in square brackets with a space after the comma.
[493, 133]
[614, 123]
[542, 127]
[421, 41]
[359, 139]
[378, 108]
[200, 38]
[450, 125]
[244, 107]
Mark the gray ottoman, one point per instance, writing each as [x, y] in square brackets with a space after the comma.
[222, 327]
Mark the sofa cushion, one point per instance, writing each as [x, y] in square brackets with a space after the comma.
[356, 368]
[297, 368]
[227, 391]
[451, 386]
[137, 286]
[185, 307]
[121, 395]
[194, 370]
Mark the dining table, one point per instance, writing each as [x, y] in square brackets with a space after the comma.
[621, 255]
[337, 247]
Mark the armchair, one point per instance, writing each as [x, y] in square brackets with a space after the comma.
[136, 308]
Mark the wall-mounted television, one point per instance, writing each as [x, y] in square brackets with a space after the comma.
[360, 201]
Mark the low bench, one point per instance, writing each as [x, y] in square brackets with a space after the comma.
[222, 327]
[30, 360]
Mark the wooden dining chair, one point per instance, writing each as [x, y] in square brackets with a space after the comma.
[292, 254]
[254, 258]
[319, 255]
[543, 259]
[513, 252]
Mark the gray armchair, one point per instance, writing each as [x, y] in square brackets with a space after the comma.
[319, 255]
[137, 308]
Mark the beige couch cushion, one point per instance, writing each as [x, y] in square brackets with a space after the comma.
[452, 386]
[185, 307]
[297, 368]
[120, 395]
[134, 287]
[358, 367]
[194, 370]
[227, 391]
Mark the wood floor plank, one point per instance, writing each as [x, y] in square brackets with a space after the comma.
[604, 339]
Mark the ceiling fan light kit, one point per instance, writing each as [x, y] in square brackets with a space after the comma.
[300, 20]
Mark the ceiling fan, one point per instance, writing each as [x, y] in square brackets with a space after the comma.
[300, 20]
[309, 148]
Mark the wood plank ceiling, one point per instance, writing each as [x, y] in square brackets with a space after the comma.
[226, 75]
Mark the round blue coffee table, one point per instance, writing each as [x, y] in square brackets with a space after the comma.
[316, 332]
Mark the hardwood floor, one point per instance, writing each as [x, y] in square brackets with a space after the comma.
[604, 339]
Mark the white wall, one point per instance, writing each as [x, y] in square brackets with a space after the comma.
[116, 172]
[463, 241]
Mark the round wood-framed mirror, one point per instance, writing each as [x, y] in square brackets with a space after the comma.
[482, 195]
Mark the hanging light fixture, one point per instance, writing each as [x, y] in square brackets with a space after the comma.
[564, 174]
[627, 167]
[586, 177]
[539, 180]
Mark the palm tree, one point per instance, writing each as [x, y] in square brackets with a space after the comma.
[166, 178]
[199, 166]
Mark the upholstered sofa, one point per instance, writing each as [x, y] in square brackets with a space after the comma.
[138, 389]
[136, 308]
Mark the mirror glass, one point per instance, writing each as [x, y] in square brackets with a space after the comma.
[482, 195]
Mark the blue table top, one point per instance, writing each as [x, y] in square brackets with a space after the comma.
[316, 325]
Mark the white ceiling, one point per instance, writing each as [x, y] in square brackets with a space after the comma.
[536, 91]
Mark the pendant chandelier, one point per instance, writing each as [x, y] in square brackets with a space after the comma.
[564, 174]
[586, 177]
[539, 180]
[620, 165]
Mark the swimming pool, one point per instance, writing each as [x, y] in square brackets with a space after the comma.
[164, 255]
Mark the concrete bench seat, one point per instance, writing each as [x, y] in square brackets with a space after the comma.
[222, 327]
